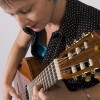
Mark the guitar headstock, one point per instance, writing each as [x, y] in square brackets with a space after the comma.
[81, 59]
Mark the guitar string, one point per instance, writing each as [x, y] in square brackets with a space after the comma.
[42, 71]
[30, 88]
[33, 84]
[46, 67]
[64, 61]
[63, 58]
[59, 64]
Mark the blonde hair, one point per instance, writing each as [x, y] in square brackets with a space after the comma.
[6, 3]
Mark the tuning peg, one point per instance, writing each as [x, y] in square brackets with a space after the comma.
[90, 62]
[88, 77]
[67, 46]
[70, 55]
[86, 44]
[97, 74]
[78, 50]
[88, 33]
[74, 69]
[75, 41]
[92, 35]
[83, 35]
[77, 78]
[82, 65]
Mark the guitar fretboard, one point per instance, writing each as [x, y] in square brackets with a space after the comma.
[48, 77]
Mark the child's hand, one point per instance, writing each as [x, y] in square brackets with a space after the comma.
[9, 92]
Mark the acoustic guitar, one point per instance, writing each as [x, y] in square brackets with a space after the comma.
[80, 60]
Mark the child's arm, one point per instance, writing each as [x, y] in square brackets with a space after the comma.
[17, 52]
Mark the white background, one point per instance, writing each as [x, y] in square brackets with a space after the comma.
[8, 33]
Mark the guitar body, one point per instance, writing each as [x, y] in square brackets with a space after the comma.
[27, 71]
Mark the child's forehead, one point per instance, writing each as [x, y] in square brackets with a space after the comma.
[9, 2]
[18, 6]
[6, 4]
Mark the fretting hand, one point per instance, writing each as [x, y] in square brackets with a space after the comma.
[59, 92]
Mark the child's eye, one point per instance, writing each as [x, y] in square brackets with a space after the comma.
[25, 11]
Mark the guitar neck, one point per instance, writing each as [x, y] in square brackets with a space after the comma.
[48, 77]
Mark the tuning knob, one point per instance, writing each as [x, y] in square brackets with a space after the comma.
[87, 76]
[77, 78]
[97, 74]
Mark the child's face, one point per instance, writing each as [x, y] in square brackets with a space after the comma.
[35, 14]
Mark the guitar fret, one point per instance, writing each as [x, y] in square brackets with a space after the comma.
[48, 77]
[59, 76]
[48, 73]
[34, 82]
[45, 84]
[54, 75]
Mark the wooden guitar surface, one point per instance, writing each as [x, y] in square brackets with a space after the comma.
[27, 71]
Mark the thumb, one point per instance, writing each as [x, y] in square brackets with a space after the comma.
[14, 94]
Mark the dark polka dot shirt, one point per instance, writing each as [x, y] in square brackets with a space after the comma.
[78, 18]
